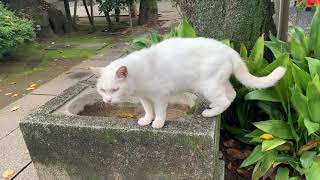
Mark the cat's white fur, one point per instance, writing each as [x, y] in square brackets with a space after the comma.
[178, 65]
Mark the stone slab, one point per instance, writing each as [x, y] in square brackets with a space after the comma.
[13, 152]
[28, 173]
[63, 81]
[9, 121]
[82, 147]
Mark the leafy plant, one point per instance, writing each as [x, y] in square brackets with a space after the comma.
[14, 30]
[288, 137]
[184, 30]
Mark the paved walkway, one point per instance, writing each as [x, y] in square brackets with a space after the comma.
[13, 151]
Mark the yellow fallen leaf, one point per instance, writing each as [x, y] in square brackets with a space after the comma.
[30, 88]
[8, 94]
[8, 173]
[15, 108]
[33, 85]
[12, 83]
[15, 95]
[266, 136]
[126, 115]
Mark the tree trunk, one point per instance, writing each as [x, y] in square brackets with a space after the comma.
[238, 20]
[117, 14]
[44, 14]
[132, 7]
[148, 13]
[67, 9]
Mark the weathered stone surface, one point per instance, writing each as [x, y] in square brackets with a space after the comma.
[237, 20]
[81, 147]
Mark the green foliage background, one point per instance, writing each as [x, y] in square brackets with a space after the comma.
[14, 30]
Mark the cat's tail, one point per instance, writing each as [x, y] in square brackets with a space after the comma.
[242, 73]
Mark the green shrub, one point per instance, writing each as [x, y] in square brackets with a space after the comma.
[183, 30]
[287, 116]
[14, 30]
[282, 122]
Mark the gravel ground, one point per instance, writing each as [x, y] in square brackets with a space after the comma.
[302, 19]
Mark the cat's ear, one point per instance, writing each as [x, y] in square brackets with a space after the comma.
[96, 71]
[122, 72]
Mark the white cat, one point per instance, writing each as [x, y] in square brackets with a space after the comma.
[178, 65]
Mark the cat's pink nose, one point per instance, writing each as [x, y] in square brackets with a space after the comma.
[107, 100]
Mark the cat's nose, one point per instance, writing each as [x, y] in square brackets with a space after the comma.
[107, 100]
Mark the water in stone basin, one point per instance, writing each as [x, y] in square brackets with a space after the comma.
[129, 111]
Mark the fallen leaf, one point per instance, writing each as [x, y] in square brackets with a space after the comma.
[8, 94]
[15, 108]
[310, 145]
[230, 143]
[126, 115]
[266, 136]
[243, 172]
[30, 88]
[15, 95]
[12, 83]
[235, 153]
[8, 173]
[0, 90]
[33, 85]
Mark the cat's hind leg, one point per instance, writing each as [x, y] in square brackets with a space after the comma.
[220, 98]
[149, 114]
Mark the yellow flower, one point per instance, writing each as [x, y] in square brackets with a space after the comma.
[266, 136]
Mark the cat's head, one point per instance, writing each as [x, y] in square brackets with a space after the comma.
[112, 83]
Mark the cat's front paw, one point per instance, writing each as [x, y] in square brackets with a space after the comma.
[157, 124]
[144, 121]
[208, 113]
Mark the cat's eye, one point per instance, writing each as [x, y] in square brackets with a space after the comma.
[114, 89]
[103, 90]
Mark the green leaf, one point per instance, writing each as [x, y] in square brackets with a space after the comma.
[314, 42]
[255, 133]
[155, 38]
[272, 143]
[316, 82]
[282, 174]
[226, 42]
[298, 33]
[312, 127]
[263, 95]
[294, 178]
[255, 156]
[243, 51]
[301, 77]
[312, 173]
[306, 158]
[281, 60]
[297, 50]
[277, 128]
[314, 66]
[300, 103]
[257, 52]
[274, 47]
[314, 109]
[264, 164]
[185, 30]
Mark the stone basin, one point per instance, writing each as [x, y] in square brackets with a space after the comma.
[76, 136]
